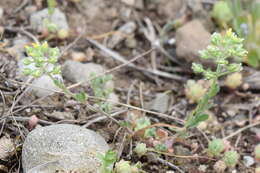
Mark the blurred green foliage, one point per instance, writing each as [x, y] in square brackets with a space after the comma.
[244, 17]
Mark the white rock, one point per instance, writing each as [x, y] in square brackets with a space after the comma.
[62, 147]
[248, 161]
[44, 86]
[58, 18]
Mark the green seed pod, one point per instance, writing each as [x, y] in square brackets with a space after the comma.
[123, 167]
[140, 149]
[194, 91]
[27, 71]
[36, 73]
[234, 80]
[216, 146]
[231, 158]
[52, 60]
[27, 61]
[220, 166]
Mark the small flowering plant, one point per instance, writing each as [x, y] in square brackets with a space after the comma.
[221, 50]
[43, 58]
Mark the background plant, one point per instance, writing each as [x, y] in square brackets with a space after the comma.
[100, 89]
[244, 17]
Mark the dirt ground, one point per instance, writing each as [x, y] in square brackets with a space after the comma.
[137, 85]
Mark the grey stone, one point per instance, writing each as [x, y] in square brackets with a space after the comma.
[44, 86]
[160, 103]
[126, 29]
[62, 147]
[190, 39]
[78, 72]
[58, 18]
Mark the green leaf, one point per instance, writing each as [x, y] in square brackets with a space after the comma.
[58, 83]
[149, 132]
[197, 68]
[27, 71]
[253, 58]
[81, 97]
[142, 123]
[108, 161]
[196, 119]
[161, 147]
[255, 11]
[125, 124]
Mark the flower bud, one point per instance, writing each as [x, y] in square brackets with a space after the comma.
[233, 80]
[27, 71]
[123, 167]
[140, 149]
[197, 68]
[231, 158]
[194, 91]
[27, 61]
[63, 34]
[216, 146]
[220, 166]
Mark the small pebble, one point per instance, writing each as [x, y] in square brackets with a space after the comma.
[248, 161]
[79, 56]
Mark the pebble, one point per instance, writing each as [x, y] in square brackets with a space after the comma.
[190, 39]
[160, 103]
[248, 161]
[78, 56]
[44, 86]
[62, 147]
[124, 31]
[78, 72]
